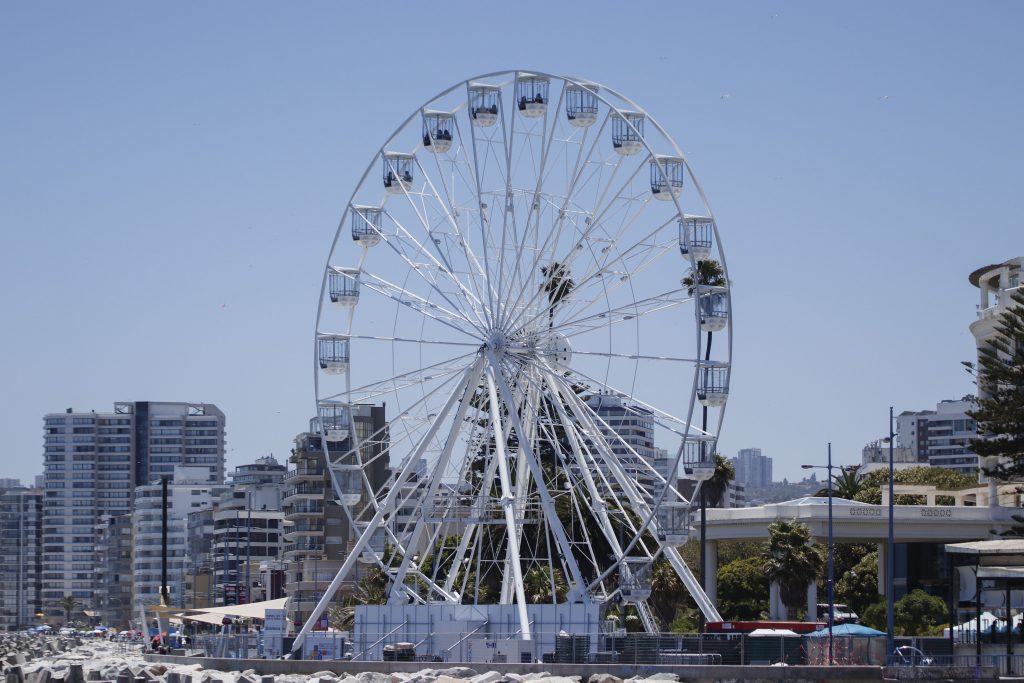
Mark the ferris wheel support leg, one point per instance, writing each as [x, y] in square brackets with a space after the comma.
[597, 503]
[460, 392]
[507, 502]
[547, 503]
[442, 463]
[707, 608]
[460, 553]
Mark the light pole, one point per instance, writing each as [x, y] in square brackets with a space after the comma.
[831, 591]
[889, 551]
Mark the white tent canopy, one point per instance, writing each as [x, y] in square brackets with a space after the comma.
[253, 610]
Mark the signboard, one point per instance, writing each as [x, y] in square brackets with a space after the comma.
[274, 627]
[319, 646]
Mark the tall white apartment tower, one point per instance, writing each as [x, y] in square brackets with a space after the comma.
[188, 490]
[996, 283]
[92, 464]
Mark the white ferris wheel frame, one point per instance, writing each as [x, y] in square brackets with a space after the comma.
[482, 368]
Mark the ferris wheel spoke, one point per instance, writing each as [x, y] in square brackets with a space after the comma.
[567, 262]
[534, 212]
[547, 252]
[594, 275]
[471, 299]
[651, 305]
[417, 377]
[395, 435]
[431, 310]
[474, 268]
[662, 418]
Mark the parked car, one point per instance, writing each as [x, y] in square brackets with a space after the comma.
[841, 614]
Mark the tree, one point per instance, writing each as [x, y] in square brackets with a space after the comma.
[718, 484]
[743, 590]
[858, 587]
[1000, 411]
[919, 614]
[670, 596]
[846, 484]
[69, 604]
[951, 480]
[791, 561]
[557, 284]
[915, 614]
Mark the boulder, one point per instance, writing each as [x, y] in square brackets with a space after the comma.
[457, 672]
[371, 677]
[603, 678]
[487, 677]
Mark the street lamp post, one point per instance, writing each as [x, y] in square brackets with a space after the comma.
[889, 551]
[831, 591]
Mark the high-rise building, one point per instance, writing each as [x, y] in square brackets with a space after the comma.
[629, 432]
[248, 528]
[113, 571]
[21, 536]
[92, 464]
[318, 535]
[996, 283]
[753, 469]
[189, 489]
[941, 437]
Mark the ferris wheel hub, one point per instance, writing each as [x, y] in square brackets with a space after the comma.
[496, 341]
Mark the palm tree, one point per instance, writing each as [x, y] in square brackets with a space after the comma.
[69, 604]
[708, 274]
[718, 484]
[846, 484]
[791, 561]
[557, 284]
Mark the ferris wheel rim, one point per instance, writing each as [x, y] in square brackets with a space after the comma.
[597, 91]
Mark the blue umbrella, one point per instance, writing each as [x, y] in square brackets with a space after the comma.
[846, 630]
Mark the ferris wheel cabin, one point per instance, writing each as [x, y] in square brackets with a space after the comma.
[635, 579]
[335, 420]
[374, 548]
[698, 459]
[627, 132]
[714, 311]
[332, 352]
[437, 131]
[667, 177]
[713, 386]
[673, 518]
[532, 95]
[696, 235]
[398, 172]
[350, 484]
[343, 286]
[483, 104]
[581, 104]
[366, 222]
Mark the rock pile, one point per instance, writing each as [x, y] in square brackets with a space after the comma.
[28, 659]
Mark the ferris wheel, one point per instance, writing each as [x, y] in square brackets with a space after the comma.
[530, 281]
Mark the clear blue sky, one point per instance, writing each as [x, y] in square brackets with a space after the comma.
[171, 175]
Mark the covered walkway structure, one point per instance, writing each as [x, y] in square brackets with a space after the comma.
[855, 522]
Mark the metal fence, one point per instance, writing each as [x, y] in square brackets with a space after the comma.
[608, 648]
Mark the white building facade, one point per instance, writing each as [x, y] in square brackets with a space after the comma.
[188, 491]
[92, 464]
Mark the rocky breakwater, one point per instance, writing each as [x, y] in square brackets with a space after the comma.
[53, 660]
